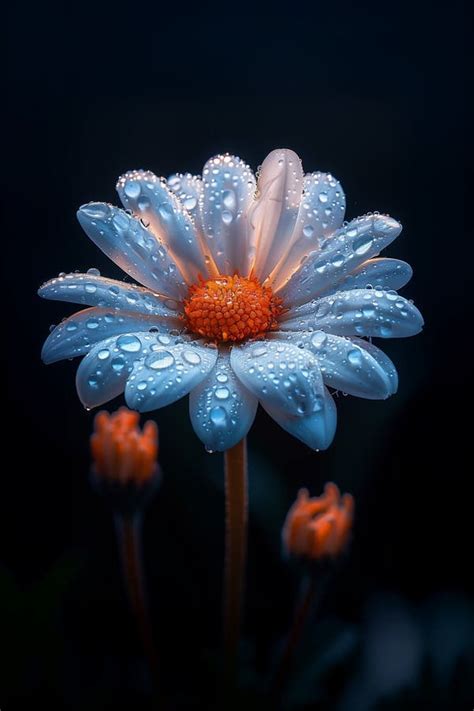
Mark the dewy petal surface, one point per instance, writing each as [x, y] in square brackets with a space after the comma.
[151, 199]
[382, 272]
[321, 212]
[222, 410]
[346, 365]
[359, 312]
[133, 248]
[92, 290]
[273, 214]
[317, 429]
[279, 374]
[76, 335]
[104, 371]
[229, 189]
[188, 189]
[167, 374]
[352, 245]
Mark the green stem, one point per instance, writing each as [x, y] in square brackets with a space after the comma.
[302, 611]
[236, 506]
[129, 542]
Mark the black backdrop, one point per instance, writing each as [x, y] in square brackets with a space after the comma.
[372, 94]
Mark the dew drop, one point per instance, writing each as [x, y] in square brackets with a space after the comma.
[308, 230]
[222, 378]
[226, 217]
[103, 354]
[190, 203]
[259, 351]
[132, 189]
[362, 244]
[92, 323]
[218, 416]
[129, 344]
[93, 271]
[118, 363]
[323, 197]
[90, 288]
[160, 360]
[228, 199]
[222, 393]
[355, 357]
[191, 357]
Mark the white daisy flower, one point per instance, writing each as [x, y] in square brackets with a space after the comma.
[251, 292]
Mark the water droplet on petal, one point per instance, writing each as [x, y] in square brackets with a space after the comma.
[355, 357]
[129, 344]
[362, 244]
[222, 393]
[132, 189]
[218, 416]
[93, 271]
[103, 354]
[160, 360]
[191, 357]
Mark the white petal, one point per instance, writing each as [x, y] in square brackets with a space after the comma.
[93, 290]
[384, 273]
[102, 374]
[222, 410]
[167, 374]
[346, 365]
[229, 189]
[279, 374]
[316, 430]
[382, 359]
[321, 212]
[359, 312]
[273, 215]
[150, 199]
[136, 250]
[77, 334]
[188, 189]
[341, 254]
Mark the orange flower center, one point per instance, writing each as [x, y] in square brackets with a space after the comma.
[231, 308]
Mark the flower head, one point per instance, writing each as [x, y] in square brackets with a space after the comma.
[121, 452]
[251, 293]
[318, 527]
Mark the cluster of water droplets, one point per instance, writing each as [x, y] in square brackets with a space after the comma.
[130, 245]
[281, 374]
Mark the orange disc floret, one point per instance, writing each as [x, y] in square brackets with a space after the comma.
[121, 451]
[231, 308]
[319, 527]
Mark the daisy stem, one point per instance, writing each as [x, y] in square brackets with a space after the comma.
[300, 617]
[236, 506]
[128, 528]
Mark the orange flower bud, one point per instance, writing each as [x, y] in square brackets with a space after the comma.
[121, 452]
[318, 527]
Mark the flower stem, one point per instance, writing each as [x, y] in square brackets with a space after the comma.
[236, 503]
[302, 611]
[128, 529]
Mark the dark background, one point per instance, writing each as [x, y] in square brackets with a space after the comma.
[373, 94]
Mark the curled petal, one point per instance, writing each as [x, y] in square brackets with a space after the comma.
[167, 374]
[321, 212]
[151, 199]
[93, 290]
[359, 312]
[341, 254]
[346, 365]
[384, 273]
[222, 410]
[273, 215]
[229, 188]
[76, 335]
[279, 374]
[133, 248]
[317, 429]
[103, 373]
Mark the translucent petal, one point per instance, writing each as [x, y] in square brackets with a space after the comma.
[222, 410]
[382, 359]
[150, 198]
[321, 212]
[93, 290]
[77, 334]
[346, 365]
[229, 189]
[188, 189]
[273, 214]
[103, 373]
[359, 312]
[385, 273]
[136, 250]
[349, 247]
[167, 374]
[279, 374]
[316, 430]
